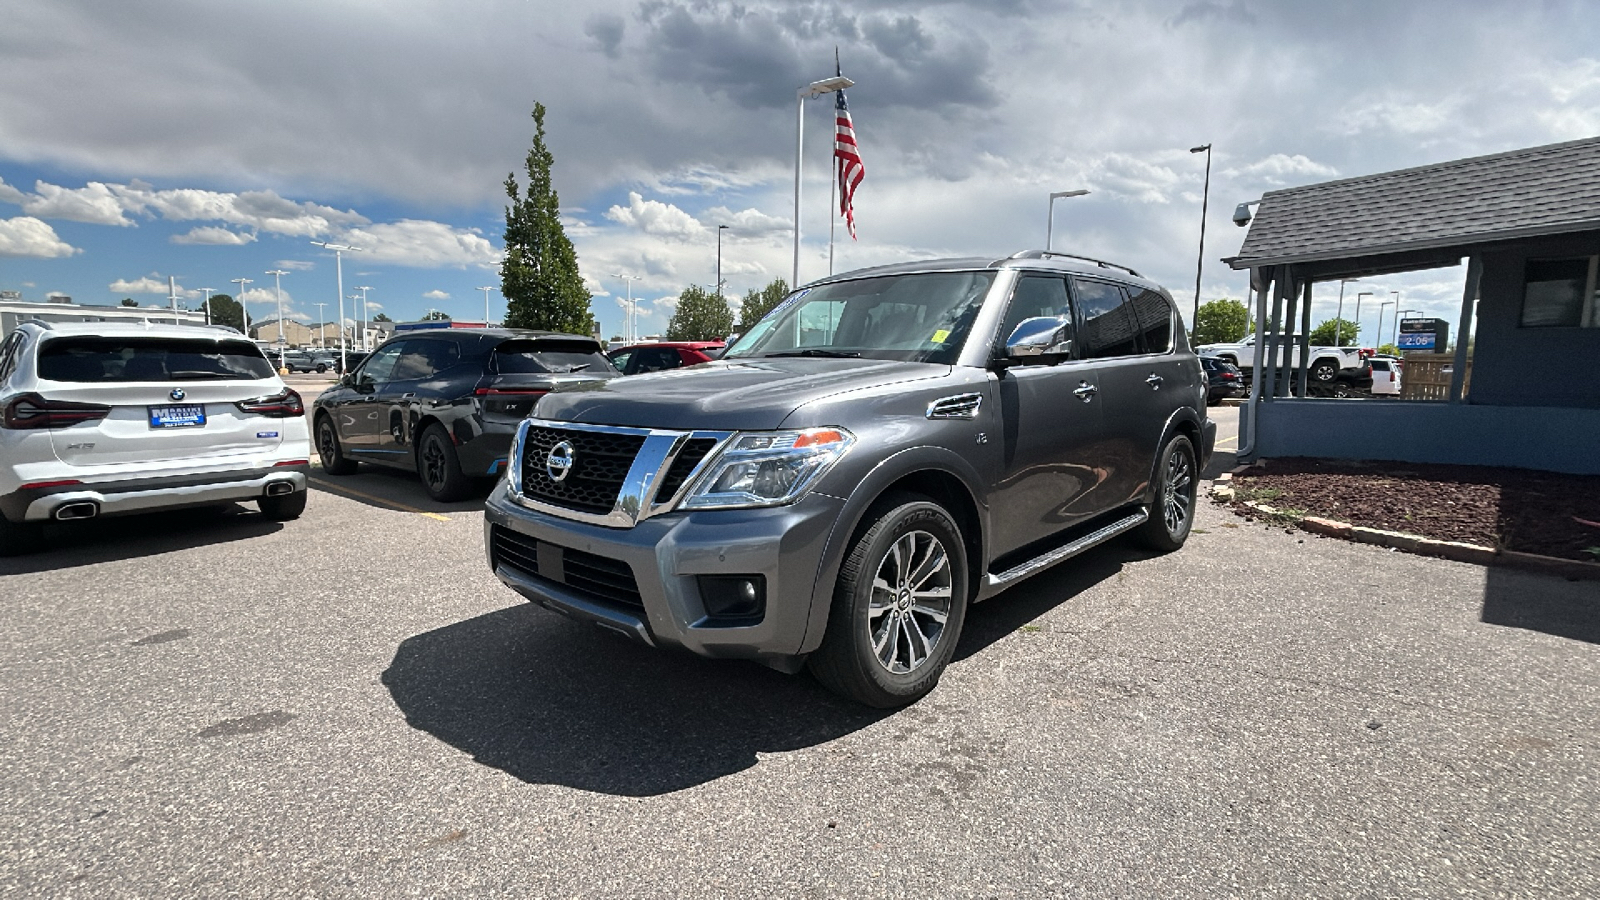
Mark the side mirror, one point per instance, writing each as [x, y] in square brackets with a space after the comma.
[347, 380]
[1040, 336]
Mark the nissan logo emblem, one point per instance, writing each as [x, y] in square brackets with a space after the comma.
[177, 394]
[560, 461]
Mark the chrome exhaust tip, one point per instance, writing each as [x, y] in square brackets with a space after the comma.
[81, 510]
[279, 488]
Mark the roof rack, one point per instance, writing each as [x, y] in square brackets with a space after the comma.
[1053, 254]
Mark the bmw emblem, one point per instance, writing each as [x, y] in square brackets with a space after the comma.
[177, 394]
[558, 465]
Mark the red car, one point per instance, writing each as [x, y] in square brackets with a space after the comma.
[640, 358]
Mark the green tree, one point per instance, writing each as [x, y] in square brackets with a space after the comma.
[129, 301]
[225, 311]
[1323, 335]
[1221, 322]
[382, 317]
[758, 303]
[435, 315]
[539, 274]
[700, 316]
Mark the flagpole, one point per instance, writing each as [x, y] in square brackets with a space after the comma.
[833, 218]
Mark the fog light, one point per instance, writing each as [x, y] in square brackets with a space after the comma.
[734, 599]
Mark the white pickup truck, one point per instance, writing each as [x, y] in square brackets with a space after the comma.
[1326, 362]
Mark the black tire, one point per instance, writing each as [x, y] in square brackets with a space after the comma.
[861, 656]
[440, 467]
[334, 462]
[321, 368]
[283, 507]
[1324, 371]
[19, 538]
[1177, 479]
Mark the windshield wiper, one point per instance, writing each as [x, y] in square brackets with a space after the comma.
[817, 351]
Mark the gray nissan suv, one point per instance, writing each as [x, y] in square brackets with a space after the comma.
[882, 449]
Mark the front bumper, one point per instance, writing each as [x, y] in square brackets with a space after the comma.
[132, 495]
[665, 553]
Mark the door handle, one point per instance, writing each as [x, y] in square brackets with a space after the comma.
[1085, 391]
[408, 396]
[1154, 381]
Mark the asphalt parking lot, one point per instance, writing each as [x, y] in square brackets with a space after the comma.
[350, 705]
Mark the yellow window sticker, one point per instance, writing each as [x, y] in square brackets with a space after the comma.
[940, 336]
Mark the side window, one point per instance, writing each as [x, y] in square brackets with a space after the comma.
[1035, 296]
[423, 358]
[654, 359]
[1155, 319]
[1109, 328]
[380, 365]
[621, 360]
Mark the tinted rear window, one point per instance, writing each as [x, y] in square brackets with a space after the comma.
[545, 357]
[100, 359]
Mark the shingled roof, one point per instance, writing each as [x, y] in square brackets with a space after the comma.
[1546, 190]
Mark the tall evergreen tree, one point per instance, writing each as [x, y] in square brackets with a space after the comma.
[226, 311]
[700, 316]
[539, 275]
[758, 303]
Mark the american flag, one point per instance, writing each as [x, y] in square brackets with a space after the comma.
[847, 160]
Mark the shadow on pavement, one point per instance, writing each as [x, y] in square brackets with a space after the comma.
[72, 544]
[1544, 603]
[1221, 461]
[384, 488]
[551, 701]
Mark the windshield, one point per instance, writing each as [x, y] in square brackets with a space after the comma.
[99, 359]
[916, 318]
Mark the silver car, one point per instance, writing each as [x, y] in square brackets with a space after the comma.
[102, 418]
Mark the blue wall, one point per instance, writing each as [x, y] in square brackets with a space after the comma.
[1512, 365]
[1529, 437]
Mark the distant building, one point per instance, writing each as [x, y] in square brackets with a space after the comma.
[61, 309]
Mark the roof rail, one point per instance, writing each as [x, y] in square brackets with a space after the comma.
[1053, 254]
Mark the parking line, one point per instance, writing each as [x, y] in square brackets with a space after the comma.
[337, 488]
[1226, 441]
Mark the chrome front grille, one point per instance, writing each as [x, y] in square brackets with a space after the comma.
[601, 461]
[606, 474]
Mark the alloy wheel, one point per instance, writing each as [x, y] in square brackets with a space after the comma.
[1178, 493]
[433, 463]
[911, 601]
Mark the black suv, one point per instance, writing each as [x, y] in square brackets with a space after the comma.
[445, 402]
[882, 449]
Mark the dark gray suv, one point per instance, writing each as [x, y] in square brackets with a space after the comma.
[882, 449]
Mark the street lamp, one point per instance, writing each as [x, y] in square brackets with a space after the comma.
[322, 326]
[277, 292]
[366, 335]
[1338, 317]
[628, 316]
[1358, 316]
[1379, 341]
[720, 230]
[1050, 219]
[486, 289]
[338, 263]
[1205, 199]
[208, 292]
[243, 310]
[814, 89]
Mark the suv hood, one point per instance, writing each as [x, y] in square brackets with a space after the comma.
[733, 395]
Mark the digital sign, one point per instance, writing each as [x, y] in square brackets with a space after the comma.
[1424, 335]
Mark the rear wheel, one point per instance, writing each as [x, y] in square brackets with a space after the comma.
[18, 538]
[330, 452]
[1324, 371]
[1172, 515]
[440, 467]
[283, 507]
[898, 607]
[321, 368]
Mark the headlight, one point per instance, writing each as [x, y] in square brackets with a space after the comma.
[768, 468]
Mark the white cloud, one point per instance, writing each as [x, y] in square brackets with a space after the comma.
[294, 265]
[1282, 168]
[94, 203]
[424, 244]
[214, 235]
[655, 217]
[432, 295]
[1124, 175]
[27, 236]
[747, 222]
[146, 285]
[9, 194]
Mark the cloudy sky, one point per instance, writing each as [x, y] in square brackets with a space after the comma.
[212, 141]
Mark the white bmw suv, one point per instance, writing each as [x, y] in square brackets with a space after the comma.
[101, 418]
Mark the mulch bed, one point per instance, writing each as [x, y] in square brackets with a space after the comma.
[1512, 509]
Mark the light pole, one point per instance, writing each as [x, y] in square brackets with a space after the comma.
[322, 327]
[366, 337]
[1050, 219]
[1358, 317]
[814, 89]
[1338, 317]
[1394, 338]
[627, 314]
[208, 293]
[338, 264]
[1205, 200]
[277, 292]
[1379, 341]
[720, 230]
[486, 291]
[243, 310]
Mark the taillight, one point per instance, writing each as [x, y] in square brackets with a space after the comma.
[34, 411]
[282, 405]
[510, 392]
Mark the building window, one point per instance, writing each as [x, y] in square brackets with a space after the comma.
[1560, 293]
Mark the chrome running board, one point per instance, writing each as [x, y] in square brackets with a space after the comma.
[1070, 550]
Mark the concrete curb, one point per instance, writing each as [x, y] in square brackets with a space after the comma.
[1578, 570]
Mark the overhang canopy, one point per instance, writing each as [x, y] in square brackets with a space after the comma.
[1547, 190]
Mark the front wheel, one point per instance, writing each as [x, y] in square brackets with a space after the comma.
[1324, 371]
[331, 454]
[898, 607]
[321, 368]
[1172, 515]
[440, 467]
